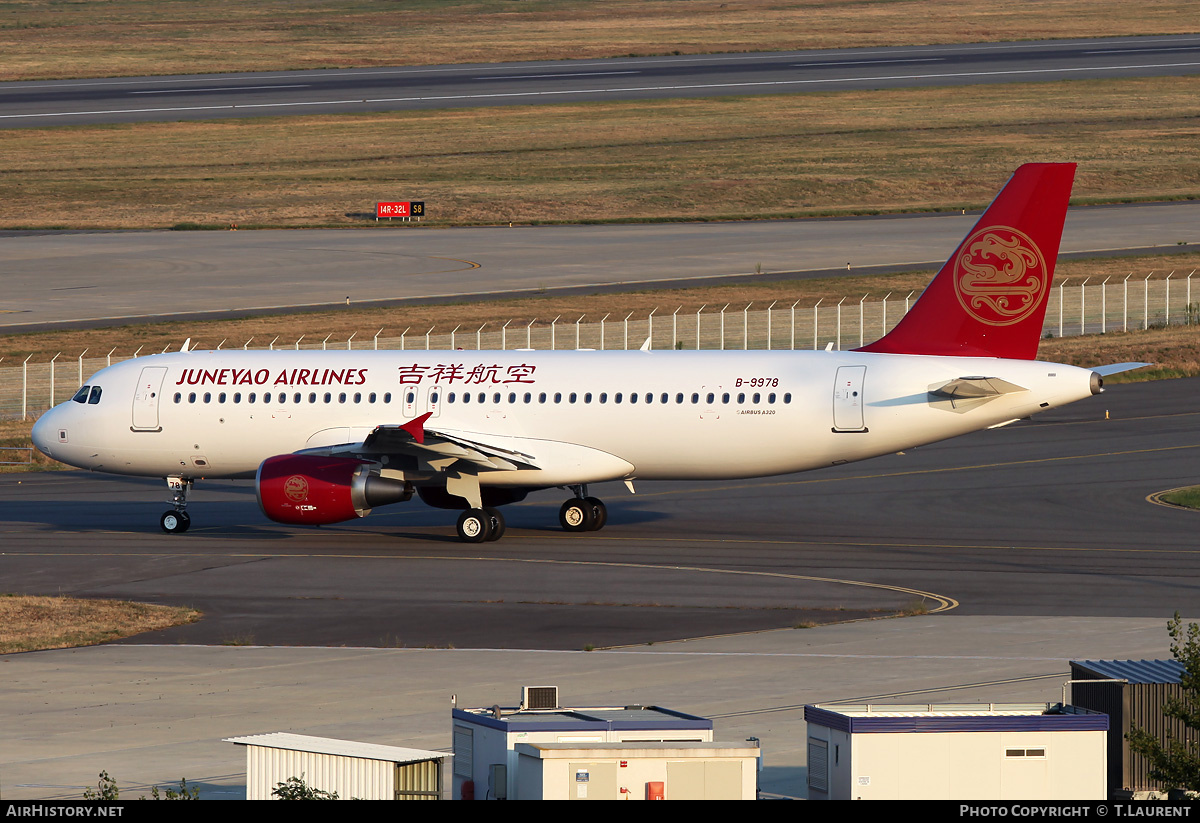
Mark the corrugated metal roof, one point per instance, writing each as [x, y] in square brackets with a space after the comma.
[343, 748]
[1135, 671]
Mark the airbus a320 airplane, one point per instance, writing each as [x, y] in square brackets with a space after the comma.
[328, 436]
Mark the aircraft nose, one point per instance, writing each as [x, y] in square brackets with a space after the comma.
[45, 432]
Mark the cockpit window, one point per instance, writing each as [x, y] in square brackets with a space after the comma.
[81, 396]
[94, 397]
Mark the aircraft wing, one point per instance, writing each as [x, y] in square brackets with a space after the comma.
[437, 445]
[438, 448]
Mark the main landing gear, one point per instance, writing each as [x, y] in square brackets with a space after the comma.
[483, 524]
[177, 520]
[582, 513]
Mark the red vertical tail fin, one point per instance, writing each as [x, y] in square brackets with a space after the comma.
[989, 299]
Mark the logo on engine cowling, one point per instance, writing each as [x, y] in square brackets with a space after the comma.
[295, 488]
[1000, 276]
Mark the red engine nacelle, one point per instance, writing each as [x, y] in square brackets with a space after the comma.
[312, 490]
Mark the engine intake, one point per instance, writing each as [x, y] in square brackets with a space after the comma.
[313, 490]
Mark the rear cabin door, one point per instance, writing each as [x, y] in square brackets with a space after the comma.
[848, 399]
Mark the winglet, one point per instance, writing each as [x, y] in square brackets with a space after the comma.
[990, 297]
[416, 427]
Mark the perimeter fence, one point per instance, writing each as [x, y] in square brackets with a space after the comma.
[1099, 307]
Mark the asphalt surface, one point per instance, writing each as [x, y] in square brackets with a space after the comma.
[1046, 517]
[54, 279]
[1032, 544]
[1036, 536]
[125, 100]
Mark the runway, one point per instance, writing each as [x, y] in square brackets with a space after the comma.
[1027, 546]
[1030, 545]
[340, 91]
[1046, 517]
[54, 279]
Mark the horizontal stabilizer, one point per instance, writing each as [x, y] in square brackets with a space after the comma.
[1117, 368]
[963, 388]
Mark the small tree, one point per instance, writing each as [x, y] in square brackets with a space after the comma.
[294, 788]
[106, 789]
[184, 793]
[1176, 763]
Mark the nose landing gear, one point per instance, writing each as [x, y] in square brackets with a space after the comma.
[177, 520]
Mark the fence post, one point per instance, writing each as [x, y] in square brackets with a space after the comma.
[529, 334]
[110, 351]
[1167, 300]
[773, 302]
[81, 354]
[883, 324]
[271, 345]
[793, 343]
[698, 325]
[815, 324]
[602, 319]
[431, 328]
[25, 389]
[52, 359]
[675, 329]
[577, 322]
[376, 346]
[454, 331]
[1083, 305]
[862, 321]
[479, 338]
[1146, 302]
[298, 339]
[650, 327]
[1104, 306]
[1125, 306]
[553, 334]
[839, 323]
[349, 341]
[746, 326]
[627, 330]
[323, 342]
[504, 336]
[1062, 284]
[723, 326]
[402, 334]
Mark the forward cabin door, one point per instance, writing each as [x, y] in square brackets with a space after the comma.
[848, 399]
[145, 399]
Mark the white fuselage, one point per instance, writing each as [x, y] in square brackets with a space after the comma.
[583, 416]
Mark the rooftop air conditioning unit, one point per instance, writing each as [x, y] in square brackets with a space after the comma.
[539, 697]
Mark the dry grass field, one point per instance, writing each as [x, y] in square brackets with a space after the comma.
[716, 158]
[94, 38]
[34, 623]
